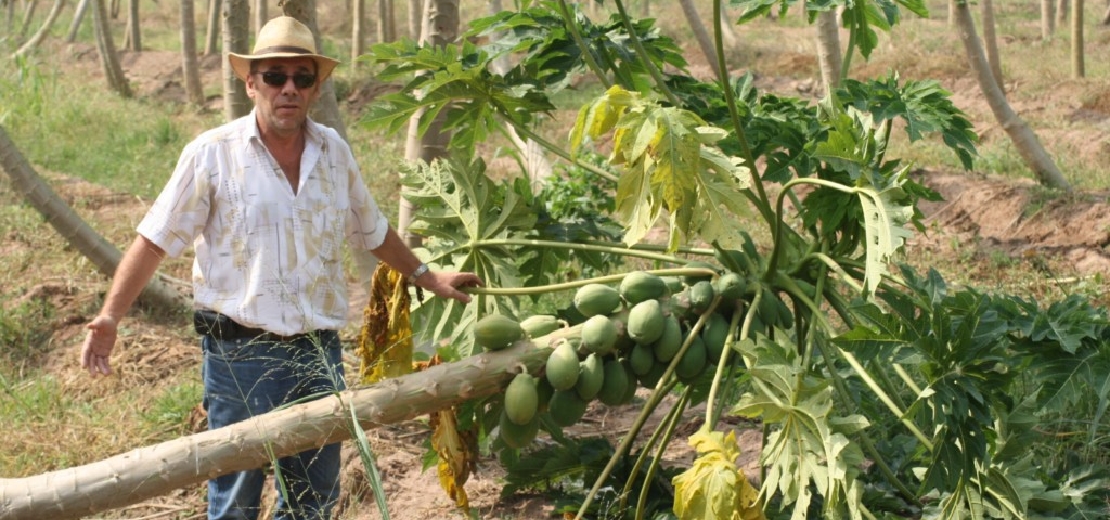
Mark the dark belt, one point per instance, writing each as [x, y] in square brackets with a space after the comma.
[222, 327]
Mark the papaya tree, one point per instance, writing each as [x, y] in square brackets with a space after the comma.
[939, 434]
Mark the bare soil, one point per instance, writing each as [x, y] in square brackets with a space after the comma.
[983, 222]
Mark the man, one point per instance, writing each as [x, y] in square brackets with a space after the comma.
[266, 201]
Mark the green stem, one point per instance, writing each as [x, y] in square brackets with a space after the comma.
[609, 278]
[645, 449]
[712, 413]
[846, 64]
[554, 244]
[653, 401]
[870, 382]
[699, 251]
[672, 424]
[759, 199]
[576, 34]
[559, 151]
[901, 371]
[660, 83]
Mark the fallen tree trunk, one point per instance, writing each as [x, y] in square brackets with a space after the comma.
[152, 471]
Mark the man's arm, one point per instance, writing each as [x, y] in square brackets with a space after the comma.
[394, 252]
[134, 271]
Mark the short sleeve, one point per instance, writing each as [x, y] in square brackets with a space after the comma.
[367, 225]
[180, 212]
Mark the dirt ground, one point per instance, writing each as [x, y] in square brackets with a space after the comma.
[982, 219]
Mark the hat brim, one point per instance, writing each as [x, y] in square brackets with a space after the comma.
[241, 63]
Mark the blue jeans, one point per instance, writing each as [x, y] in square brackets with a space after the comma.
[245, 378]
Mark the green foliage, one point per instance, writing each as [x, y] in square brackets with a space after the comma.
[563, 469]
[25, 330]
[668, 162]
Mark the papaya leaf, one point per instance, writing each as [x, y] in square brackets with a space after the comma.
[459, 206]
[670, 163]
[809, 447]
[713, 487]
[885, 228]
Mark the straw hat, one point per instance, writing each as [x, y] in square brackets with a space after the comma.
[283, 37]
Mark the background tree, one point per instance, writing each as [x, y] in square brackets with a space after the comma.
[828, 49]
[326, 109]
[991, 42]
[190, 72]
[236, 24]
[1062, 8]
[133, 40]
[1026, 142]
[387, 22]
[78, 15]
[358, 16]
[30, 44]
[1078, 69]
[440, 28]
[705, 42]
[117, 82]
[416, 13]
[260, 15]
[212, 38]
[1048, 19]
[28, 15]
[72, 227]
[1106, 15]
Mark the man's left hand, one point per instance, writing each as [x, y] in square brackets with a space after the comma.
[447, 284]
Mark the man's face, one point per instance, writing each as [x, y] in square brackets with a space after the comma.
[282, 108]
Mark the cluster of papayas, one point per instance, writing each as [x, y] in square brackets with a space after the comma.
[629, 335]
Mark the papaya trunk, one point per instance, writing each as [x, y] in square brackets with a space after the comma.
[156, 470]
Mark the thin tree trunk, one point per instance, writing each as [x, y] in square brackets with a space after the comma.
[1048, 19]
[1106, 15]
[1062, 12]
[236, 25]
[79, 15]
[41, 33]
[107, 49]
[358, 39]
[387, 24]
[700, 34]
[155, 470]
[1026, 142]
[416, 13]
[440, 28]
[134, 29]
[991, 41]
[28, 14]
[952, 12]
[828, 49]
[194, 89]
[645, 8]
[75, 231]
[535, 163]
[326, 110]
[261, 15]
[212, 39]
[9, 23]
[1078, 68]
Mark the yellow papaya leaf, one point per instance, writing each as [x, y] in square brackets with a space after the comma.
[714, 488]
[385, 341]
[457, 455]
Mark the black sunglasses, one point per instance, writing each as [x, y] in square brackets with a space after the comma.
[278, 79]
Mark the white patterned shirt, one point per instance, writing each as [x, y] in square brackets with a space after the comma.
[267, 257]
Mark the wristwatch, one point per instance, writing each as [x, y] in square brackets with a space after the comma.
[420, 269]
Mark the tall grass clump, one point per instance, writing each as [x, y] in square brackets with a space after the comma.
[130, 145]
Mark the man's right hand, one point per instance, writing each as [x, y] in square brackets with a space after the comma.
[98, 345]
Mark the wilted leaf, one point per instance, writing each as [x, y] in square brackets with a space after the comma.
[385, 340]
[457, 458]
[714, 488]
